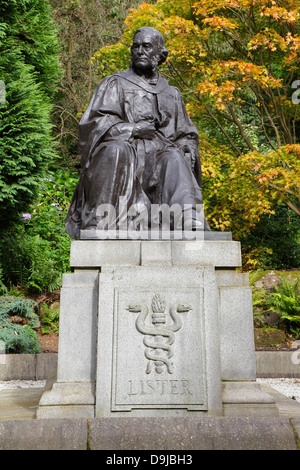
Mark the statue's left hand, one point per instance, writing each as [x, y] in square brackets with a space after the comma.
[190, 154]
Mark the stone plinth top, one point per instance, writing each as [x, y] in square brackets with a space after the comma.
[97, 253]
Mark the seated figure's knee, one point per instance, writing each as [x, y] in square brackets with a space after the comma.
[112, 153]
[115, 148]
[172, 159]
[172, 155]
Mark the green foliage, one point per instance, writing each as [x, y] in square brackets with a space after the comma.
[27, 262]
[29, 30]
[24, 308]
[29, 68]
[18, 338]
[34, 254]
[3, 288]
[258, 299]
[254, 276]
[258, 295]
[48, 215]
[286, 302]
[26, 144]
[274, 242]
[49, 320]
[112, 59]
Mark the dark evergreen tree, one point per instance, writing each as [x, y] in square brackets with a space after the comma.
[29, 72]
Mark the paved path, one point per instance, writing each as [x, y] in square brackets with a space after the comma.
[19, 403]
[22, 403]
[288, 408]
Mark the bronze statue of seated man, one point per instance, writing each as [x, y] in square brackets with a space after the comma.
[137, 145]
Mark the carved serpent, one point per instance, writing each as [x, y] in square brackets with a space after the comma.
[154, 339]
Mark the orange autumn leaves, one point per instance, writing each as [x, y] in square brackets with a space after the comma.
[240, 191]
[225, 78]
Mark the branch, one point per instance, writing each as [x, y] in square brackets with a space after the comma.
[239, 125]
[277, 188]
[294, 124]
[285, 120]
[223, 131]
[289, 203]
[64, 111]
[280, 115]
[259, 115]
[62, 133]
[266, 134]
[177, 75]
[262, 101]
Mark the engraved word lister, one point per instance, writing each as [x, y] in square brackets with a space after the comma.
[159, 387]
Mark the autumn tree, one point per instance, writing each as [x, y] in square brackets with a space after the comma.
[236, 63]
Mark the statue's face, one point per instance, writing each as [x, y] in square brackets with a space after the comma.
[145, 51]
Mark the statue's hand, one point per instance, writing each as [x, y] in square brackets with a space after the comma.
[190, 154]
[144, 130]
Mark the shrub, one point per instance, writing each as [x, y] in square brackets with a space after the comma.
[18, 321]
[18, 306]
[286, 302]
[3, 289]
[50, 320]
[274, 242]
[27, 262]
[19, 339]
[48, 215]
[34, 254]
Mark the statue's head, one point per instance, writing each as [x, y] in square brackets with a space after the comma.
[148, 48]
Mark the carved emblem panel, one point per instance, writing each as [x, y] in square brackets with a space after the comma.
[159, 336]
[159, 351]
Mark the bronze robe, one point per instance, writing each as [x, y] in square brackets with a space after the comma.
[115, 164]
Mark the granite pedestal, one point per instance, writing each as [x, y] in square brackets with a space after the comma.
[155, 328]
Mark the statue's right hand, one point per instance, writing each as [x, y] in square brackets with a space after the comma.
[144, 130]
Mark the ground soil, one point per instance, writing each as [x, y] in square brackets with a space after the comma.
[271, 339]
[49, 342]
[46, 297]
